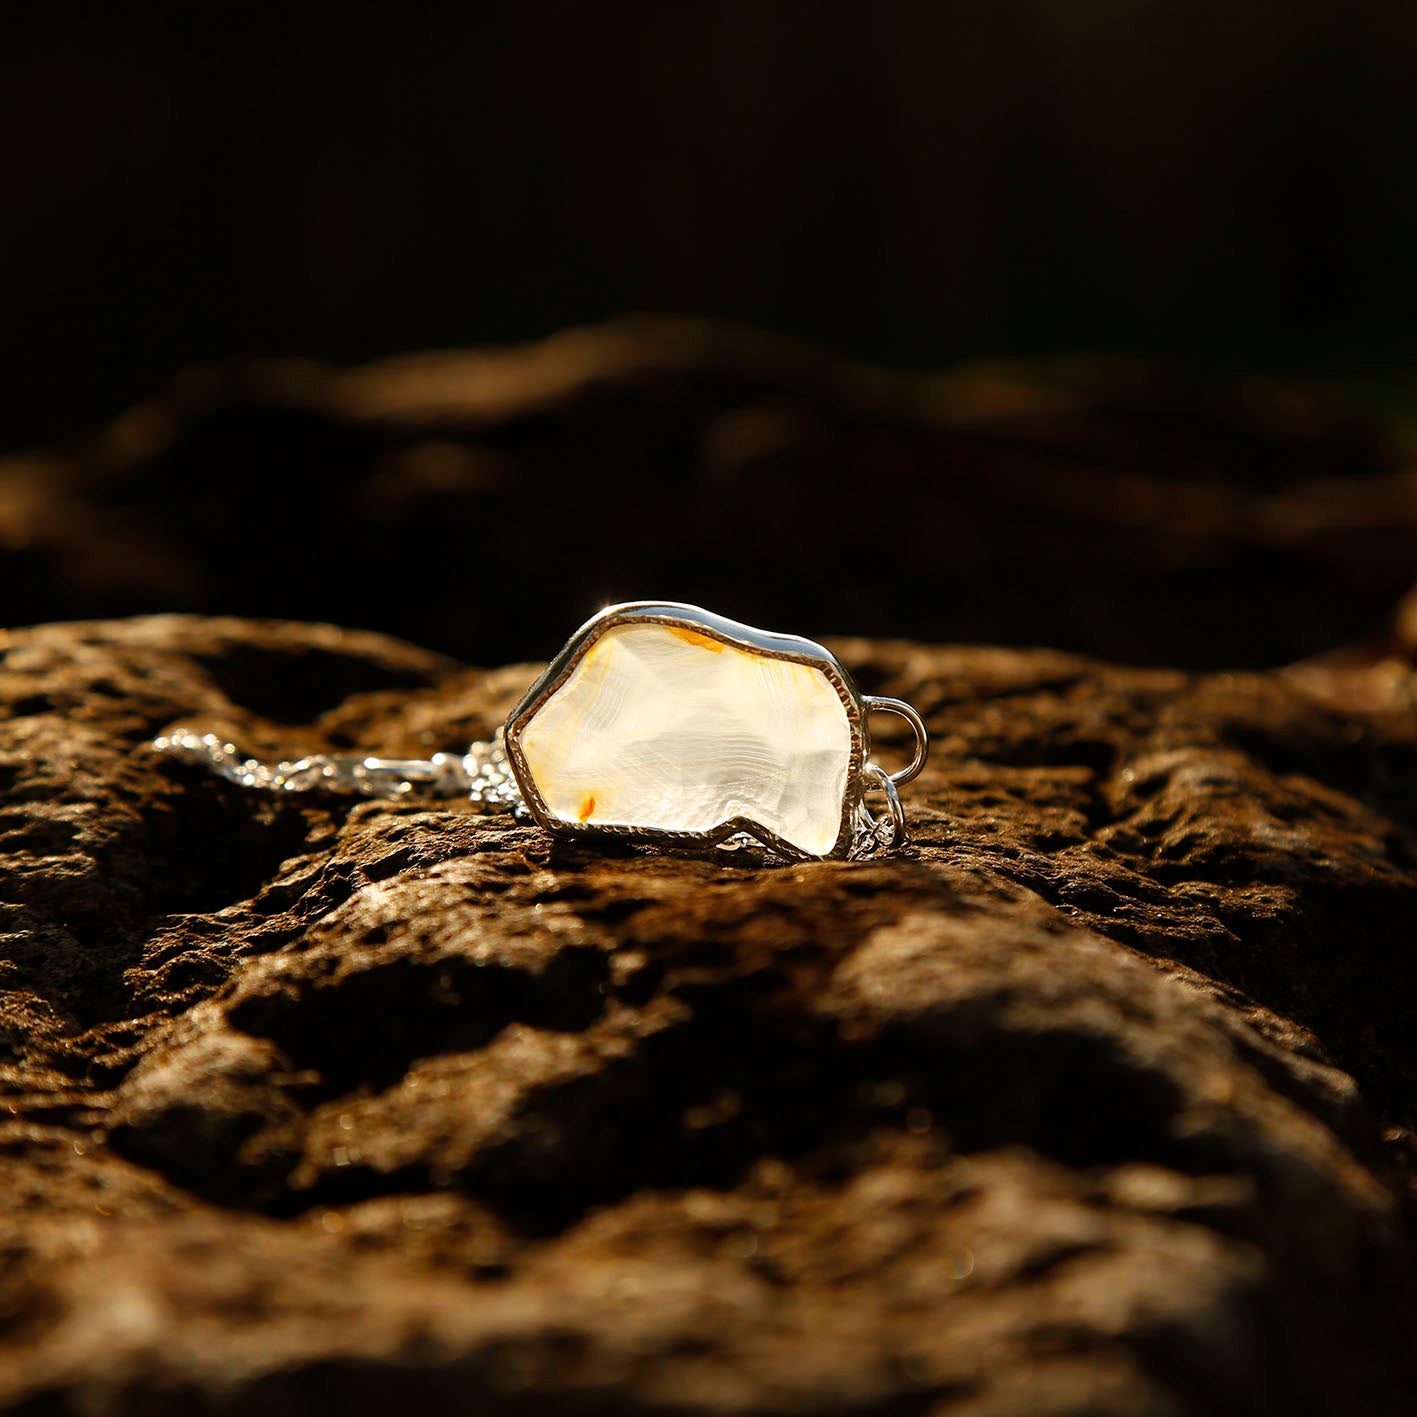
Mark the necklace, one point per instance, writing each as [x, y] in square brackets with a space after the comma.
[660, 723]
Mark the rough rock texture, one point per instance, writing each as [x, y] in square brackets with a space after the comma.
[1096, 1100]
[484, 503]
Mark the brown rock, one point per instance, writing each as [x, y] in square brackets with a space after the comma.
[1109, 508]
[1097, 1099]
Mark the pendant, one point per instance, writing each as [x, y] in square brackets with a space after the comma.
[669, 725]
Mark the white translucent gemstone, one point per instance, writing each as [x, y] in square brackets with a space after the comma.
[660, 726]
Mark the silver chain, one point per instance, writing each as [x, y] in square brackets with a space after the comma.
[482, 774]
[872, 835]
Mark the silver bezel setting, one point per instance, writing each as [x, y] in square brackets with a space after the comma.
[792, 648]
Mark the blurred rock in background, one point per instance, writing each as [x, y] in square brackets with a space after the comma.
[485, 503]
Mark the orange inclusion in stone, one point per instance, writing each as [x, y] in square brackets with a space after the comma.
[693, 637]
[587, 807]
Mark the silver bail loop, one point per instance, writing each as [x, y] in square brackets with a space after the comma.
[901, 709]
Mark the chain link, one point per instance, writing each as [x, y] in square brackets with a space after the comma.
[873, 835]
[483, 774]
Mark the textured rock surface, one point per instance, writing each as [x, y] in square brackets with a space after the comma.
[1097, 1101]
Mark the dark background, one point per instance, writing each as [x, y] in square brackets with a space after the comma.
[1224, 191]
[1227, 183]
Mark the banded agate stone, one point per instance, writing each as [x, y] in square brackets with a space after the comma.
[665, 727]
